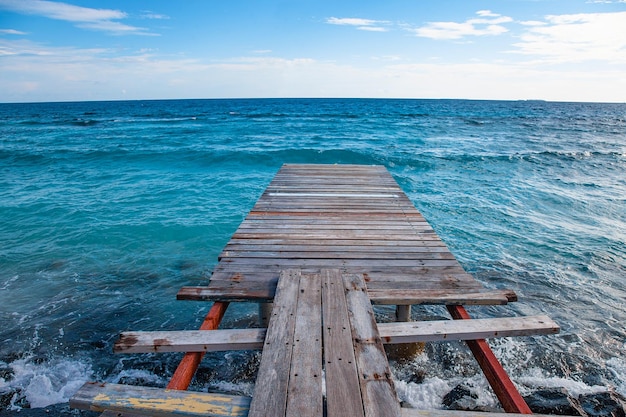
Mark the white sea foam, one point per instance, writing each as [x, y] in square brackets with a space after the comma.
[146, 377]
[430, 393]
[618, 367]
[240, 388]
[47, 383]
[537, 378]
[427, 395]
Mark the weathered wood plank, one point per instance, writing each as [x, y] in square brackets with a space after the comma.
[377, 388]
[270, 395]
[390, 333]
[337, 263]
[405, 296]
[342, 380]
[337, 255]
[416, 242]
[239, 273]
[190, 341]
[305, 397]
[440, 330]
[157, 402]
[444, 296]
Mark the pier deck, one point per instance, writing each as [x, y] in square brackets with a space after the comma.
[323, 243]
[350, 217]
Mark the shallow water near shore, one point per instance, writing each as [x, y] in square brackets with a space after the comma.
[108, 208]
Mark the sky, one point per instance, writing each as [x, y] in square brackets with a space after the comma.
[77, 50]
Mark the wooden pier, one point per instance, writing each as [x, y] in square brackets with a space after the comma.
[322, 244]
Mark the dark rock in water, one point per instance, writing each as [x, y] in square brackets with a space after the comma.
[204, 375]
[554, 401]
[5, 399]
[57, 410]
[604, 404]
[460, 398]
[6, 373]
[404, 352]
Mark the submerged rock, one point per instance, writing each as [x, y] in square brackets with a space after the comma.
[460, 398]
[604, 404]
[554, 401]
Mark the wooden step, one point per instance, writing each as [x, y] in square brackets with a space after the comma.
[157, 402]
[390, 333]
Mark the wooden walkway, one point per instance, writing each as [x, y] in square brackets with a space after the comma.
[323, 243]
[350, 217]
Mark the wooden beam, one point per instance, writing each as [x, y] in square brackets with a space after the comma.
[390, 333]
[404, 296]
[189, 364]
[157, 402]
[505, 390]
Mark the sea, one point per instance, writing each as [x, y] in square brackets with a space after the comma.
[107, 209]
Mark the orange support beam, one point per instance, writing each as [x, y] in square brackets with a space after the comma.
[505, 390]
[189, 364]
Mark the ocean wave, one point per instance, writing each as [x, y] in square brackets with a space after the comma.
[30, 384]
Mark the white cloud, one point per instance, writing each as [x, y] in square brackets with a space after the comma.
[61, 11]
[351, 21]
[35, 72]
[361, 24]
[84, 17]
[116, 28]
[12, 32]
[372, 28]
[151, 15]
[532, 23]
[577, 38]
[487, 13]
[489, 23]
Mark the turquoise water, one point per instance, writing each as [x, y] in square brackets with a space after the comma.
[108, 208]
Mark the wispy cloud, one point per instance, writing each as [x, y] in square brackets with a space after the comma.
[488, 23]
[361, 24]
[84, 17]
[12, 32]
[151, 15]
[577, 38]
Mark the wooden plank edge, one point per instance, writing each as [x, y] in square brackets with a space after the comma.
[111, 413]
[412, 412]
[390, 333]
[378, 296]
[157, 402]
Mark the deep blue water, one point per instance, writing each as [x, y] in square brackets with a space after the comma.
[108, 208]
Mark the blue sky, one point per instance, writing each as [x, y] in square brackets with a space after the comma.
[564, 50]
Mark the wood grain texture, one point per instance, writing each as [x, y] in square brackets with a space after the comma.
[270, 393]
[157, 402]
[342, 379]
[347, 217]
